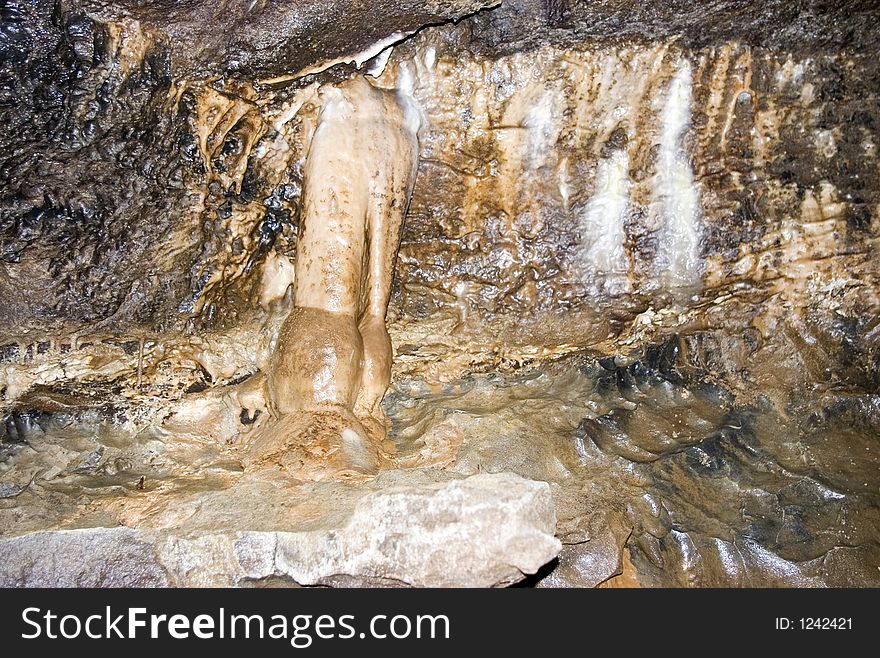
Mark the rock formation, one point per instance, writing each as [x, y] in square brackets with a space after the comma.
[332, 358]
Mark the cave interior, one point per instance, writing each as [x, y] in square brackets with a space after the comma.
[626, 253]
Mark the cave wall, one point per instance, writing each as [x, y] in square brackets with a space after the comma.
[515, 147]
[93, 167]
[778, 150]
[150, 210]
[110, 221]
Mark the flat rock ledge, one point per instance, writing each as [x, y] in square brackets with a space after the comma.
[480, 531]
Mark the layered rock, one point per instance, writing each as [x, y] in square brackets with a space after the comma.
[416, 529]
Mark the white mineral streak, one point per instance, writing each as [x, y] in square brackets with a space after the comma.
[602, 225]
[358, 59]
[542, 125]
[564, 183]
[791, 72]
[413, 113]
[526, 138]
[430, 57]
[673, 192]
[379, 62]
[377, 48]
[549, 117]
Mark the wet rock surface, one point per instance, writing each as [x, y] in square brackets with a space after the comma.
[652, 461]
[640, 265]
[655, 454]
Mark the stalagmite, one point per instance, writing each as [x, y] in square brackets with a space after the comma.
[332, 363]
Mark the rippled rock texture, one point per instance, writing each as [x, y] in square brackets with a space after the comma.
[639, 264]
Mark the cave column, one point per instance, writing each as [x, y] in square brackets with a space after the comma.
[334, 352]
